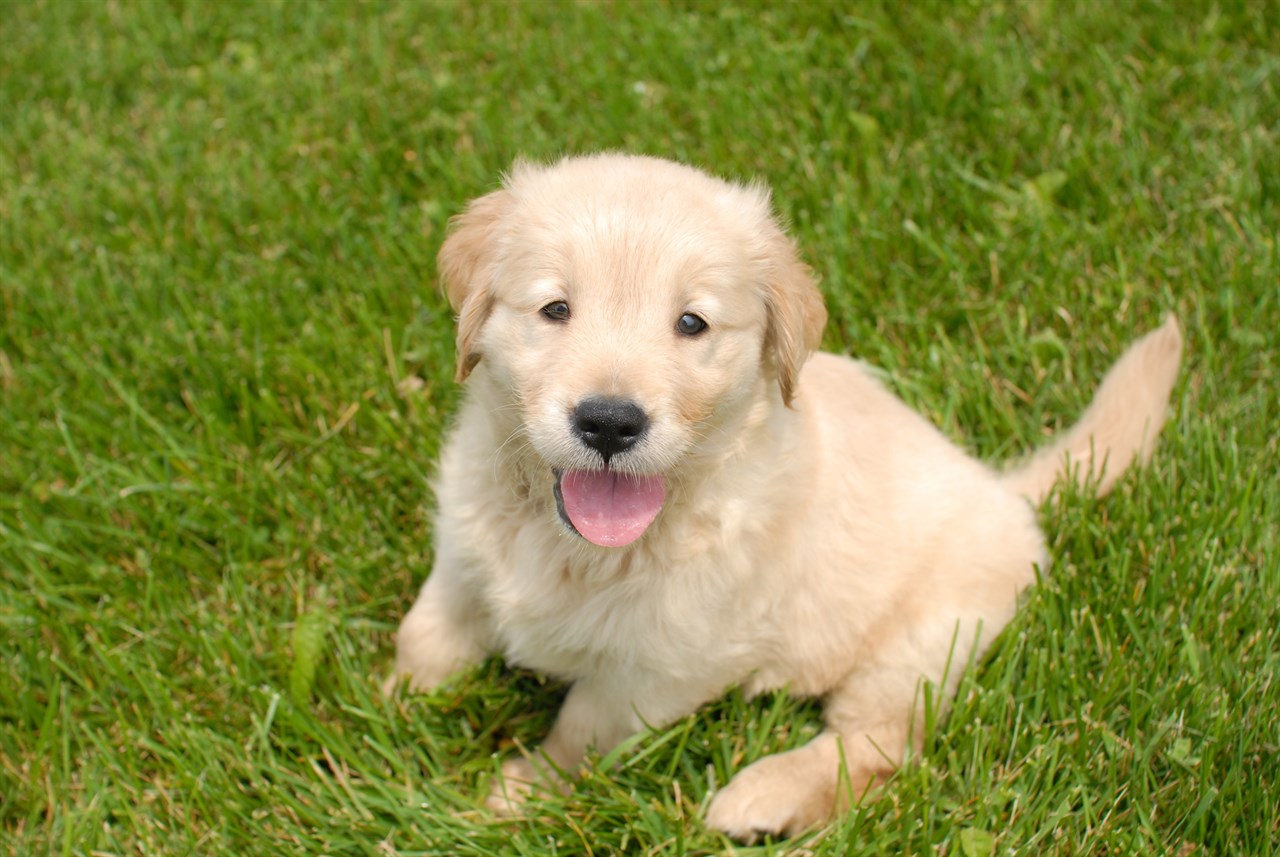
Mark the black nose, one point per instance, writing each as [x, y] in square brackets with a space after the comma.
[609, 426]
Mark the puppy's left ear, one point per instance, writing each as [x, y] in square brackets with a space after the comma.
[796, 312]
[467, 264]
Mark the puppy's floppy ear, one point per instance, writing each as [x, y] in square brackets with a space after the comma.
[796, 312]
[467, 264]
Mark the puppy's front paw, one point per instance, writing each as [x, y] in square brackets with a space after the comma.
[416, 681]
[519, 780]
[416, 677]
[391, 683]
[512, 788]
[424, 664]
[775, 796]
[434, 642]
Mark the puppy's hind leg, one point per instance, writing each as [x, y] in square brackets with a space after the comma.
[788, 793]
[872, 716]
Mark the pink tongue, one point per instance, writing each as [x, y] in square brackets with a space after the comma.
[611, 509]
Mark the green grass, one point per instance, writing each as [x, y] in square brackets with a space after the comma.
[225, 368]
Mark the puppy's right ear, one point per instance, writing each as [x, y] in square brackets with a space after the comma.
[467, 264]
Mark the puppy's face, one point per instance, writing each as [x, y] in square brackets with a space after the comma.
[629, 309]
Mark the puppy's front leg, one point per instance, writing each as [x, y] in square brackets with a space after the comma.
[600, 714]
[593, 715]
[445, 631]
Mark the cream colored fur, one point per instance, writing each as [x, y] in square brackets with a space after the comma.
[817, 534]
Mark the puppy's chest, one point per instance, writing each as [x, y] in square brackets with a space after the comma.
[575, 622]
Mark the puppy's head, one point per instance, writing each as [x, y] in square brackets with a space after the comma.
[629, 309]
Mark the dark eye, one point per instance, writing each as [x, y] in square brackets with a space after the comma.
[690, 325]
[556, 311]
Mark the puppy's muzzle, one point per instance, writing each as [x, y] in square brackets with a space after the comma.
[609, 425]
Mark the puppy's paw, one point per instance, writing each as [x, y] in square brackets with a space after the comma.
[421, 668]
[432, 645]
[413, 681]
[513, 787]
[777, 795]
[391, 683]
[519, 780]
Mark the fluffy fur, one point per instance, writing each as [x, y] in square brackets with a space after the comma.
[817, 535]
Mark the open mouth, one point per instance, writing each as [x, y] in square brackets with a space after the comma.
[608, 508]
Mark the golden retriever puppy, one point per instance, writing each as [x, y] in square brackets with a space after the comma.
[655, 490]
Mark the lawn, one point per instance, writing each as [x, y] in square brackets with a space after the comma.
[225, 368]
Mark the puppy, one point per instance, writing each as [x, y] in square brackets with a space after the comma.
[655, 490]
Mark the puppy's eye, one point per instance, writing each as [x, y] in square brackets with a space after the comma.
[556, 311]
[690, 325]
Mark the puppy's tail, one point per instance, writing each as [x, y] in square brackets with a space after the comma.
[1120, 425]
